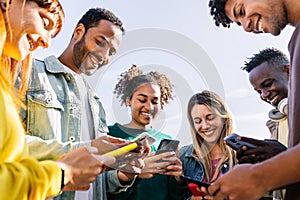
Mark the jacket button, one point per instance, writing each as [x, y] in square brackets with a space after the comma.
[72, 138]
[68, 78]
[48, 100]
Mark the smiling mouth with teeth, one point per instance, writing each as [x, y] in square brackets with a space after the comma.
[96, 60]
[273, 100]
[208, 133]
[259, 28]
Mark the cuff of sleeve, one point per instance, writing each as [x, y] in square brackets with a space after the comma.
[114, 183]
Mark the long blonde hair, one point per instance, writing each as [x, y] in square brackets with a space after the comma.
[201, 149]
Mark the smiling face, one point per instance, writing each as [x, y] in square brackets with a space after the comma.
[207, 124]
[94, 48]
[271, 82]
[30, 27]
[145, 105]
[263, 16]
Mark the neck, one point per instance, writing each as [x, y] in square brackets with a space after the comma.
[216, 152]
[134, 125]
[66, 58]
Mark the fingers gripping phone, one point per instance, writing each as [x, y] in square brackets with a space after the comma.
[191, 180]
[234, 143]
[167, 145]
[193, 188]
[194, 184]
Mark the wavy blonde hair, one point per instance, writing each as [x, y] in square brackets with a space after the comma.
[201, 150]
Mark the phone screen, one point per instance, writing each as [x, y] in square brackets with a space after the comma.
[167, 145]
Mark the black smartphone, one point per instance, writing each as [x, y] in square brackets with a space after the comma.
[191, 180]
[167, 145]
[232, 141]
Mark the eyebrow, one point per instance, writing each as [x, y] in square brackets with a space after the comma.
[143, 95]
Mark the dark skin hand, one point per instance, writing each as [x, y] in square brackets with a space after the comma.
[264, 149]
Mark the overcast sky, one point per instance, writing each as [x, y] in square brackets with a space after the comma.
[180, 39]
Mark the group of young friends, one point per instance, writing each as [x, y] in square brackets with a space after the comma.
[54, 130]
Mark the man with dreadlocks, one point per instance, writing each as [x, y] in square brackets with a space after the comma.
[252, 181]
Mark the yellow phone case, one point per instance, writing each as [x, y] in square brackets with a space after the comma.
[122, 150]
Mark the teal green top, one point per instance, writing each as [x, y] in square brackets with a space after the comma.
[159, 187]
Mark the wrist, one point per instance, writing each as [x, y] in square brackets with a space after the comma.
[261, 173]
[126, 177]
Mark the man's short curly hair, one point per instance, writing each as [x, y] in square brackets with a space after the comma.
[217, 10]
[130, 80]
[273, 56]
[93, 16]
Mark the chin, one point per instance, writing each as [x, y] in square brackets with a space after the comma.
[276, 32]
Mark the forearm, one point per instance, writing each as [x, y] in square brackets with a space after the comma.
[50, 149]
[280, 170]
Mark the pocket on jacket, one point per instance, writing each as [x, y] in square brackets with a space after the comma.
[44, 114]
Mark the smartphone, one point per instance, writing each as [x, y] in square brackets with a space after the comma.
[143, 136]
[232, 141]
[166, 145]
[193, 188]
[122, 150]
[191, 180]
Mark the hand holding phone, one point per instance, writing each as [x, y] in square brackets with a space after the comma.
[193, 188]
[234, 143]
[194, 184]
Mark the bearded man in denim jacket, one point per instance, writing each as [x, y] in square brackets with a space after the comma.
[63, 112]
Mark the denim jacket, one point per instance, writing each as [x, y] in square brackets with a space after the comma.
[194, 168]
[53, 115]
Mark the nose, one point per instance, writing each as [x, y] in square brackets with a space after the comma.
[264, 94]
[148, 105]
[246, 23]
[106, 59]
[107, 56]
[204, 125]
[44, 41]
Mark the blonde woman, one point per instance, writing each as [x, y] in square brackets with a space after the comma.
[208, 157]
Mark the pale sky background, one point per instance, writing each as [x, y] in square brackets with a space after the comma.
[178, 38]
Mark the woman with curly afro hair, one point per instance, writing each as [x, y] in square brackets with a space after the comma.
[146, 94]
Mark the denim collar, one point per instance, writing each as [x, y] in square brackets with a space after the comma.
[53, 65]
